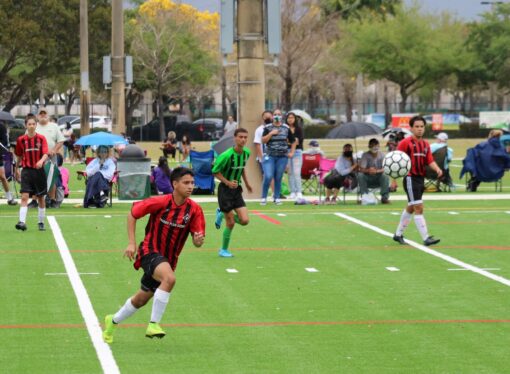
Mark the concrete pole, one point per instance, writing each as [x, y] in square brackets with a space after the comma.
[118, 80]
[251, 79]
[84, 68]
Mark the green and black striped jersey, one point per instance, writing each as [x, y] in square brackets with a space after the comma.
[231, 164]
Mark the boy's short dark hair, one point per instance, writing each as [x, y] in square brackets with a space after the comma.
[30, 116]
[373, 142]
[180, 172]
[417, 118]
[239, 130]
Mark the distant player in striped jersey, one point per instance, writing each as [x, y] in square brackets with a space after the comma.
[420, 154]
[32, 153]
[229, 168]
[172, 218]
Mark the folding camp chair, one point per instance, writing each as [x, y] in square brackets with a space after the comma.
[201, 163]
[309, 178]
[325, 166]
[81, 174]
[431, 179]
[8, 159]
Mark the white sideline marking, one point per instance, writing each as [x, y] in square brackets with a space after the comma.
[104, 353]
[432, 252]
[507, 212]
[66, 273]
[312, 270]
[454, 213]
[480, 268]
[392, 268]
[395, 213]
[232, 271]
[281, 215]
[107, 216]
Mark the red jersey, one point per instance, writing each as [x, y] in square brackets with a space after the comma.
[168, 227]
[419, 152]
[31, 149]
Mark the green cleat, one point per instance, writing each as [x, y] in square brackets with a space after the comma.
[154, 330]
[109, 328]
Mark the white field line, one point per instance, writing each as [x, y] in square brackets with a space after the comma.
[467, 269]
[432, 252]
[66, 273]
[103, 351]
[392, 268]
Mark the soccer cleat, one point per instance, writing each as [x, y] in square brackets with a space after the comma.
[431, 241]
[225, 253]
[109, 328]
[41, 226]
[277, 202]
[263, 202]
[219, 218]
[12, 202]
[21, 226]
[399, 239]
[154, 330]
[33, 204]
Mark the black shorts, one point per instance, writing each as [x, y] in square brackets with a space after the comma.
[414, 187]
[33, 181]
[149, 263]
[230, 198]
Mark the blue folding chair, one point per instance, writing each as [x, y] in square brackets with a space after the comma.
[201, 163]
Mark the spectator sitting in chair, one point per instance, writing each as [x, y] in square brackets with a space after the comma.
[169, 147]
[372, 172]
[342, 175]
[161, 177]
[100, 173]
[314, 149]
[442, 141]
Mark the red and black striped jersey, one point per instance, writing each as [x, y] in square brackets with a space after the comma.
[168, 227]
[31, 149]
[419, 152]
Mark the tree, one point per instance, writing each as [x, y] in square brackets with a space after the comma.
[40, 40]
[354, 8]
[410, 49]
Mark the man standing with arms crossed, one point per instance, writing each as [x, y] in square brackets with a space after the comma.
[229, 168]
[172, 218]
[420, 154]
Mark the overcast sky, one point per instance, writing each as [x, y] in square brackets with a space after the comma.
[466, 9]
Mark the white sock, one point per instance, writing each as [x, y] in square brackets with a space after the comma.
[23, 214]
[159, 305]
[41, 214]
[126, 311]
[8, 195]
[419, 220]
[405, 218]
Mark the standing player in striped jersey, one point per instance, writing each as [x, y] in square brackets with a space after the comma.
[420, 154]
[229, 168]
[32, 153]
[172, 218]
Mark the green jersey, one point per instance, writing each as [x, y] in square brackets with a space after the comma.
[231, 164]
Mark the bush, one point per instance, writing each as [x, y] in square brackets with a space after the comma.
[316, 131]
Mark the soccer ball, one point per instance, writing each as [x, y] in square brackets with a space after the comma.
[396, 164]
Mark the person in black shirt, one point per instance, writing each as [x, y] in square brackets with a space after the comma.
[296, 161]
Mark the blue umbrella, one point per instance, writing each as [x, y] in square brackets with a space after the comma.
[101, 138]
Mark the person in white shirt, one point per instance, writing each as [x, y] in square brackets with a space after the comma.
[230, 125]
[100, 172]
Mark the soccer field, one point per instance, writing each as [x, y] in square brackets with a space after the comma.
[311, 289]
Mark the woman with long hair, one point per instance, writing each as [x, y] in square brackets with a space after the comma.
[296, 162]
[161, 177]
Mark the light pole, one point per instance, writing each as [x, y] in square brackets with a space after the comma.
[118, 81]
[84, 69]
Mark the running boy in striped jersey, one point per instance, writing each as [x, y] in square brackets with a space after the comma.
[420, 154]
[229, 168]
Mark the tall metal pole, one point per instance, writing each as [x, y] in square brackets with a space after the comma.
[118, 80]
[84, 69]
[251, 81]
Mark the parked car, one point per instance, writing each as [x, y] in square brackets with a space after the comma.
[64, 119]
[210, 128]
[180, 124]
[94, 122]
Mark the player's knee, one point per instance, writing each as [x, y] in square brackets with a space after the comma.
[168, 281]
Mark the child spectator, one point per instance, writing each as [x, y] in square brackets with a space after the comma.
[161, 177]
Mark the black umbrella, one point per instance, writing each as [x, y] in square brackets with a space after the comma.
[396, 130]
[352, 130]
[6, 116]
[225, 142]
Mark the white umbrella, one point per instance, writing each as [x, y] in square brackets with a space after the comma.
[301, 113]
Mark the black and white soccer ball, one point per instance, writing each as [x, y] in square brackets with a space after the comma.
[396, 164]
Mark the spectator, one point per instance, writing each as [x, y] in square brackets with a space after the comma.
[442, 142]
[276, 136]
[314, 149]
[161, 177]
[296, 162]
[342, 175]
[169, 147]
[4, 147]
[372, 172]
[230, 125]
[67, 132]
[260, 147]
[100, 172]
[185, 148]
